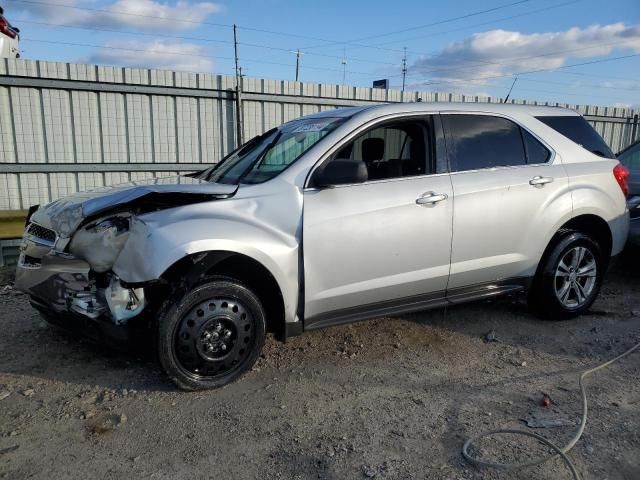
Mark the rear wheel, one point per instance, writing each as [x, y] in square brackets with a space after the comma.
[211, 335]
[569, 277]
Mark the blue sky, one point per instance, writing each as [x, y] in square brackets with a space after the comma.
[477, 54]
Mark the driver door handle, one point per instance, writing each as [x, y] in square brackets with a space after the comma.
[539, 181]
[431, 198]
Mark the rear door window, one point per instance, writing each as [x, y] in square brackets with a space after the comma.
[577, 129]
[482, 141]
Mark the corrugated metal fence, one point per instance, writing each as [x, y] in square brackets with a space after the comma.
[69, 127]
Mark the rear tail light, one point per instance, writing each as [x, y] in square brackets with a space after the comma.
[6, 29]
[621, 173]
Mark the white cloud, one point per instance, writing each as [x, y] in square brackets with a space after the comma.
[167, 55]
[145, 14]
[504, 52]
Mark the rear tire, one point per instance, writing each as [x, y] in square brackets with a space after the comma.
[569, 277]
[209, 336]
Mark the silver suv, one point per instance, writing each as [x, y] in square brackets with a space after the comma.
[332, 218]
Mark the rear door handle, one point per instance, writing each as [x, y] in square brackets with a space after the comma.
[431, 198]
[539, 181]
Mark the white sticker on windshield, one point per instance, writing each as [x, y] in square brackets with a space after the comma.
[309, 127]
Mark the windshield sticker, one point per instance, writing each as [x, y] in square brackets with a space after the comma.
[310, 127]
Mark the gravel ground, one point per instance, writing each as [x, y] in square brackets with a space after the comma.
[389, 398]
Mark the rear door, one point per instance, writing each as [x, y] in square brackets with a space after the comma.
[504, 180]
[381, 243]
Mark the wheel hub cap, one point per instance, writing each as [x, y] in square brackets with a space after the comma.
[214, 337]
[217, 338]
[575, 277]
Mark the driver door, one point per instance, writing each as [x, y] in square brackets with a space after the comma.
[384, 245]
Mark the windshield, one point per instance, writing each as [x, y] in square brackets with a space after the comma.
[266, 155]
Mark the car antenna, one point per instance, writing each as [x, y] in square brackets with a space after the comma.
[510, 90]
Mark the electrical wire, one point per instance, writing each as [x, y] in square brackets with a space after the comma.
[241, 27]
[537, 80]
[199, 39]
[356, 59]
[474, 25]
[427, 25]
[479, 64]
[251, 60]
[592, 62]
[560, 451]
[325, 68]
[286, 50]
[116, 12]
[124, 32]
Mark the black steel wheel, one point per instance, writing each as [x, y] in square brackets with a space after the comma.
[210, 335]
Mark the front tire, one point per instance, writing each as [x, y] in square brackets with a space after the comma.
[569, 277]
[210, 335]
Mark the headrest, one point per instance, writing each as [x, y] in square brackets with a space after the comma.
[372, 149]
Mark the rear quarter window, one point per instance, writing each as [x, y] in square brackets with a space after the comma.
[578, 130]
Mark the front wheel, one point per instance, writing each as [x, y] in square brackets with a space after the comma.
[209, 336]
[569, 278]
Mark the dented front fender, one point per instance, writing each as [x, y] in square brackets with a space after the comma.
[268, 232]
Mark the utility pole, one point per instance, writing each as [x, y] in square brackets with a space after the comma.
[239, 122]
[404, 68]
[344, 66]
[297, 64]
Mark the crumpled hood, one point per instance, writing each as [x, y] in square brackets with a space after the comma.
[66, 214]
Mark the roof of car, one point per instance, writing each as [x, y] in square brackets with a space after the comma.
[408, 107]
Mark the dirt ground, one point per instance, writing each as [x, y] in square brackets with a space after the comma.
[388, 398]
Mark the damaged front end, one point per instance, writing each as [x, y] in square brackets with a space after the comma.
[70, 246]
[70, 280]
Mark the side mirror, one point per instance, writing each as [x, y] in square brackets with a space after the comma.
[341, 171]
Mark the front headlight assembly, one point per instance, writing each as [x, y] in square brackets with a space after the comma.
[100, 242]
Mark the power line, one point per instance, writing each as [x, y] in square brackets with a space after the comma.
[468, 27]
[607, 77]
[537, 80]
[316, 54]
[419, 27]
[113, 47]
[195, 22]
[198, 39]
[39, 2]
[543, 69]
[173, 19]
[125, 32]
[366, 73]
[203, 39]
[584, 85]
[494, 85]
[482, 63]
[110, 47]
[116, 12]
[251, 60]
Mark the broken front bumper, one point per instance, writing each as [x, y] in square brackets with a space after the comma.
[63, 287]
